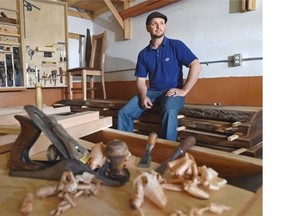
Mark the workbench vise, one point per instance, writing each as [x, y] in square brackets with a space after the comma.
[69, 151]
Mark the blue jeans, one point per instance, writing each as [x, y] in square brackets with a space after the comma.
[170, 107]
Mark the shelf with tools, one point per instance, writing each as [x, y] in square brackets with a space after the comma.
[44, 39]
[10, 60]
[33, 48]
[11, 73]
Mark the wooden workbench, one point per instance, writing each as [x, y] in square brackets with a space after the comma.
[243, 200]
[115, 200]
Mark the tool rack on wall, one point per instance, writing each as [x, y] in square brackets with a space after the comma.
[33, 44]
[11, 73]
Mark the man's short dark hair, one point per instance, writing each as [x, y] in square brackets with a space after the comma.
[154, 15]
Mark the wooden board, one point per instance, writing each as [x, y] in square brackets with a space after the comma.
[9, 119]
[223, 113]
[221, 140]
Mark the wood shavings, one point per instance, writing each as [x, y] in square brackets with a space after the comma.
[209, 178]
[46, 191]
[185, 172]
[148, 185]
[214, 208]
[192, 188]
[218, 208]
[96, 157]
[70, 189]
[27, 204]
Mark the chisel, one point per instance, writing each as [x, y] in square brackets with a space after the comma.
[185, 145]
[146, 159]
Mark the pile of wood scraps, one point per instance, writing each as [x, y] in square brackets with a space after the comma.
[235, 129]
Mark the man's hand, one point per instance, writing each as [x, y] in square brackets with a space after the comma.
[174, 92]
[146, 103]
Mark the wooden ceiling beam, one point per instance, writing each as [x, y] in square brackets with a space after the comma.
[115, 13]
[145, 7]
[84, 15]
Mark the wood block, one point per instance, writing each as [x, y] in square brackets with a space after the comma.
[147, 127]
[76, 131]
[233, 137]
[223, 113]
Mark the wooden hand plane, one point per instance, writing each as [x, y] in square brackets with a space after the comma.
[68, 149]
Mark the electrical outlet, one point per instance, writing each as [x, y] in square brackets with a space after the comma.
[237, 60]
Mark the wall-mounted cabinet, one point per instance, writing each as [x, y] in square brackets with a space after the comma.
[33, 49]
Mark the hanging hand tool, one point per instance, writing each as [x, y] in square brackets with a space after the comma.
[185, 145]
[146, 159]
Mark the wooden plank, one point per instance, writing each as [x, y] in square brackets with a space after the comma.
[110, 104]
[10, 119]
[148, 127]
[239, 151]
[10, 129]
[115, 13]
[75, 36]
[243, 114]
[144, 7]
[77, 118]
[127, 23]
[136, 9]
[83, 15]
[76, 131]
[206, 125]
[220, 140]
[10, 110]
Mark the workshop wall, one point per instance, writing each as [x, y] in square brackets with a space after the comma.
[214, 30]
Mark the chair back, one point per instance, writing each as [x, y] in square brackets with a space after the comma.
[99, 45]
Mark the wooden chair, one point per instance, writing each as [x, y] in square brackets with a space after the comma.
[95, 68]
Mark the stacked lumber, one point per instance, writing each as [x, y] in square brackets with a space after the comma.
[78, 125]
[235, 129]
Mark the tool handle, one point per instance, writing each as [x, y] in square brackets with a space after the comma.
[151, 140]
[187, 143]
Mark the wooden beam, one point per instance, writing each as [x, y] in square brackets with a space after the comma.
[115, 13]
[83, 15]
[127, 22]
[75, 36]
[134, 11]
[145, 7]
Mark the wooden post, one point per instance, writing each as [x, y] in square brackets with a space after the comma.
[38, 96]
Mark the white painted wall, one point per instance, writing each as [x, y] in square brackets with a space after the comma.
[210, 28]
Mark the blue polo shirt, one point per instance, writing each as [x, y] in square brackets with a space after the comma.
[163, 66]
